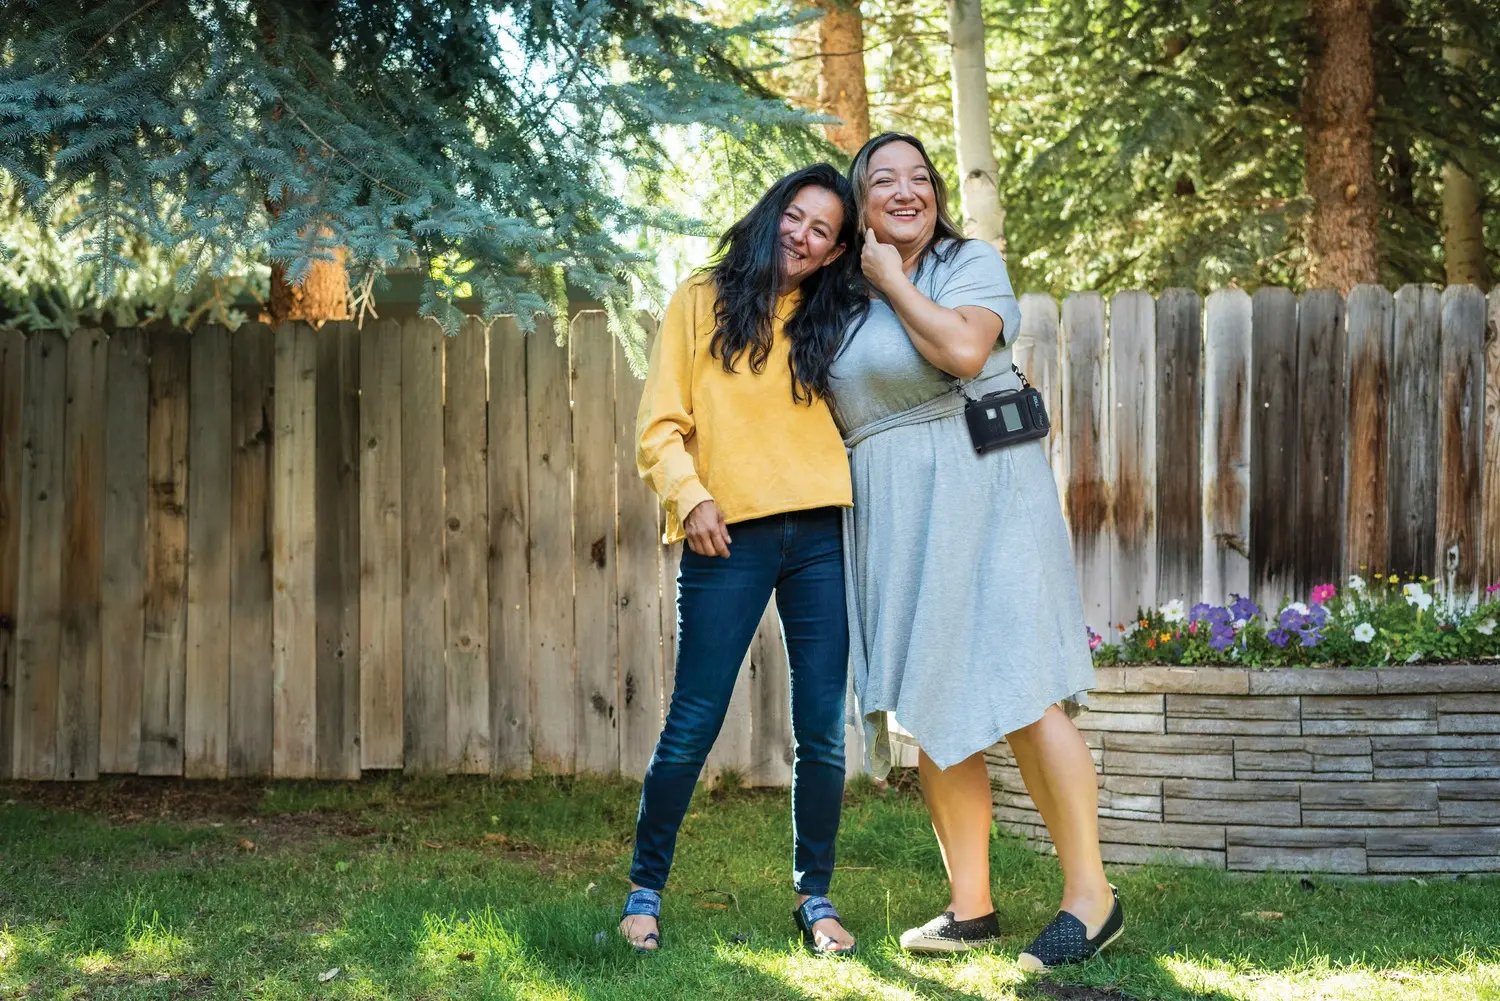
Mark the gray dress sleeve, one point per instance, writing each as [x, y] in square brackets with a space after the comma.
[976, 276]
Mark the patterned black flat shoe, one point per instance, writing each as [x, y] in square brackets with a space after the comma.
[944, 933]
[811, 911]
[1065, 940]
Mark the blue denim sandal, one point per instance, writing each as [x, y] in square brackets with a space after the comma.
[811, 911]
[646, 903]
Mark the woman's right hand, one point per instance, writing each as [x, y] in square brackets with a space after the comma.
[707, 533]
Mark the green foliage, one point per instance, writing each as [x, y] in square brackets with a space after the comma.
[499, 133]
[1367, 623]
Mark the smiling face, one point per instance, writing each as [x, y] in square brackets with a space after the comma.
[900, 201]
[809, 234]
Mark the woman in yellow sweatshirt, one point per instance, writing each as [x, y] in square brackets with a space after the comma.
[735, 436]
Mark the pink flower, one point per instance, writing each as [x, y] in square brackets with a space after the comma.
[1492, 588]
[1322, 593]
[1095, 641]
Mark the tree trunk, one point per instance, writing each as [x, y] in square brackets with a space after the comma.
[984, 217]
[324, 292]
[1338, 104]
[1463, 222]
[322, 296]
[841, 81]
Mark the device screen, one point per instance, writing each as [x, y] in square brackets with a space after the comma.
[1011, 414]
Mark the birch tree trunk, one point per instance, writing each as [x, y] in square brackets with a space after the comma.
[1338, 104]
[841, 80]
[984, 217]
[1463, 223]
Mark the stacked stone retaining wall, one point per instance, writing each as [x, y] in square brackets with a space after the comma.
[1389, 771]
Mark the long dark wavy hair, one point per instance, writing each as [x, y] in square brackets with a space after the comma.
[859, 178]
[747, 278]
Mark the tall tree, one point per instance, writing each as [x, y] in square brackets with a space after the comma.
[1338, 123]
[984, 216]
[1463, 222]
[841, 80]
[403, 131]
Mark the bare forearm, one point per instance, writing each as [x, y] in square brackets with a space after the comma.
[945, 337]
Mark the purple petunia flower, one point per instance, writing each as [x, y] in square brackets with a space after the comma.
[1199, 612]
[1243, 608]
[1279, 636]
[1310, 637]
[1222, 638]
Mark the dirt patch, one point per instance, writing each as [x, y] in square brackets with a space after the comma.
[133, 799]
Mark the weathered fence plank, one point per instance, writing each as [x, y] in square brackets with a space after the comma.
[1226, 445]
[336, 573]
[425, 684]
[122, 622]
[81, 659]
[1132, 423]
[1037, 353]
[381, 619]
[1273, 443]
[1179, 439]
[1320, 425]
[1489, 518]
[210, 487]
[671, 562]
[1085, 408]
[770, 704]
[165, 648]
[1414, 430]
[596, 636]
[510, 529]
[39, 623]
[1367, 529]
[12, 453]
[638, 583]
[467, 523]
[251, 431]
[1460, 438]
[555, 692]
[294, 627]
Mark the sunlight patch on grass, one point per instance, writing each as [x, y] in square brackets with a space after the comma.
[94, 962]
[1316, 977]
[819, 977]
[152, 943]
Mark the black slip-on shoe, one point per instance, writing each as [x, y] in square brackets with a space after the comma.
[1065, 940]
[945, 933]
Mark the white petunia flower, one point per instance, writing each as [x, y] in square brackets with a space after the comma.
[1364, 632]
[1173, 611]
[1416, 596]
[1486, 628]
[1297, 607]
[1357, 583]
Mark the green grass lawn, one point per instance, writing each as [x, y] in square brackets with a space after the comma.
[480, 889]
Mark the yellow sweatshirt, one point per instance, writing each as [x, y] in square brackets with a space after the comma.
[736, 439]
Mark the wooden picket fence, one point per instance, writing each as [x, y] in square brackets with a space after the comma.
[309, 553]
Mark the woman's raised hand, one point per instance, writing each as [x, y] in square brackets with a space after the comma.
[707, 532]
[881, 263]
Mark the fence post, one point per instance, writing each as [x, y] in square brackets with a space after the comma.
[1132, 423]
[1179, 438]
[1226, 445]
[1273, 443]
[1414, 430]
[1460, 438]
[510, 599]
[1085, 407]
[1371, 314]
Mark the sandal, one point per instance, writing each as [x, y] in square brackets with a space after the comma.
[1065, 940]
[646, 903]
[810, 912]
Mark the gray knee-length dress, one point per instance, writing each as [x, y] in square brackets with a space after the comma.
[964, 612]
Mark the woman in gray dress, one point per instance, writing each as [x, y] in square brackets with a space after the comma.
[966, 623]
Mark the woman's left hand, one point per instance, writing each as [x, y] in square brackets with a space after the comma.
[881, 263]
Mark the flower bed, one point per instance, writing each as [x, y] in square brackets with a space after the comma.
[1370, 623]
[1216, 744]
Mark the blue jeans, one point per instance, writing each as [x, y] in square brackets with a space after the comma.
[719, 606]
